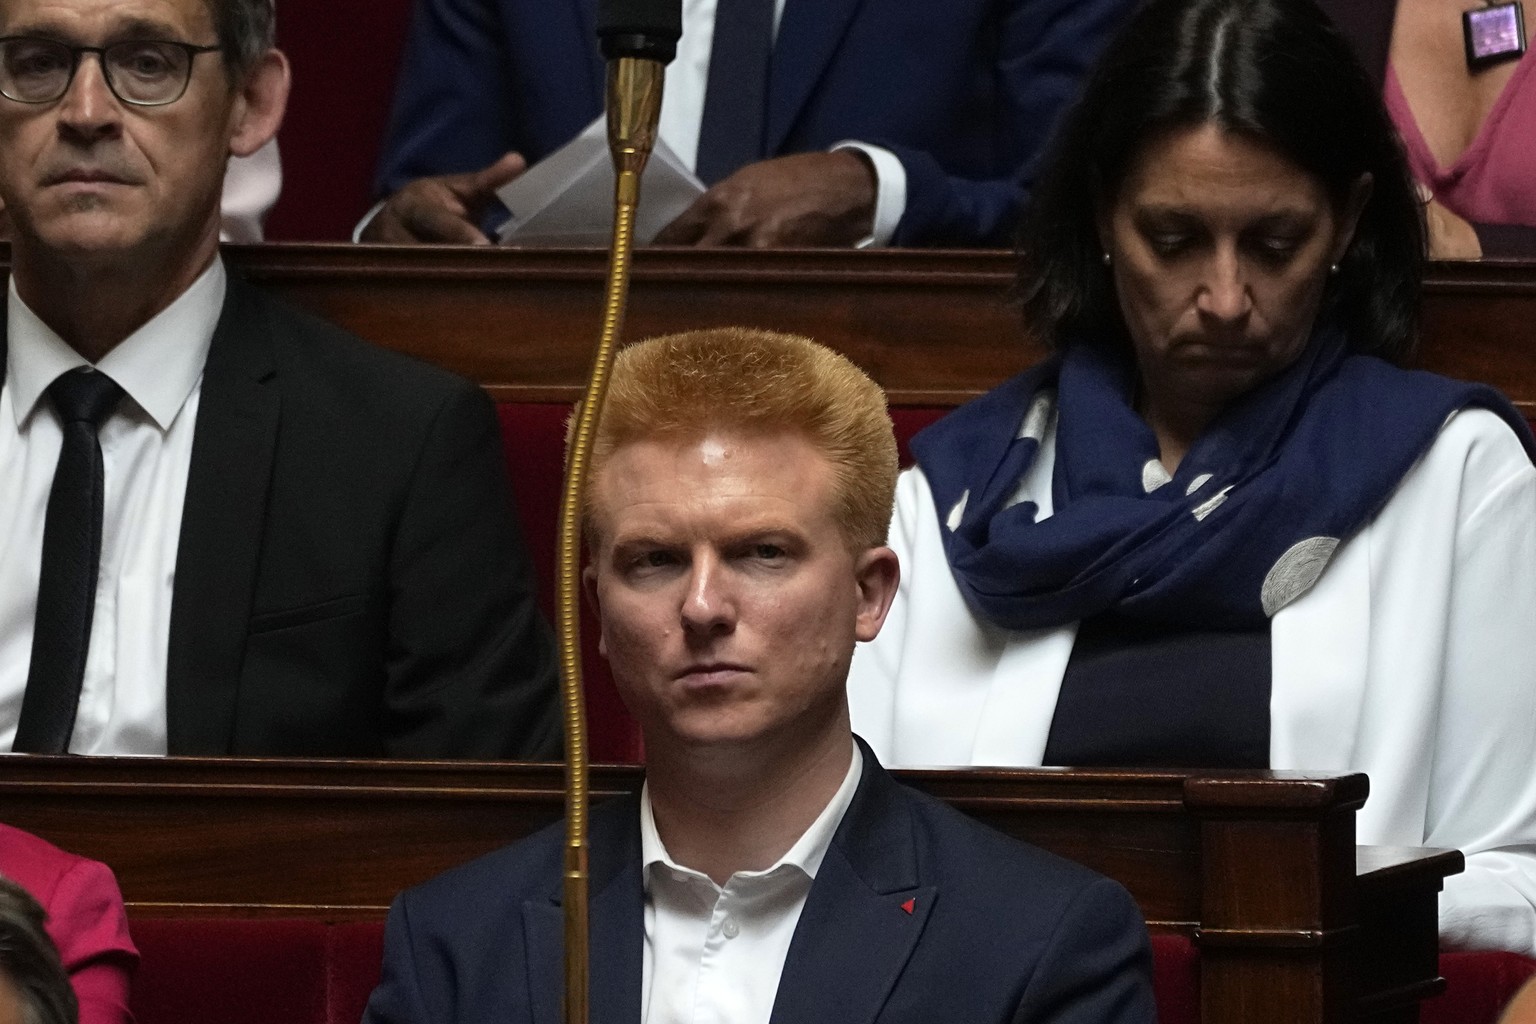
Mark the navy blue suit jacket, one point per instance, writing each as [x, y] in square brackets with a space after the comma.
[998, 931]
[964, 92]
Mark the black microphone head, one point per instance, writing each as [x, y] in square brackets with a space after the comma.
[648, 29]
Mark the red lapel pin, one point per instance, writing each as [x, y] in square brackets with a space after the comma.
[910, 905]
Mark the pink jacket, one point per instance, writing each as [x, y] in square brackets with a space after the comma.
[85, 919]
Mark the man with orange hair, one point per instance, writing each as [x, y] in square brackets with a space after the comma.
[769, 870]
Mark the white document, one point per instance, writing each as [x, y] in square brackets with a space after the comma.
[567, 198]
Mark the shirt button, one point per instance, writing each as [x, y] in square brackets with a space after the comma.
[730, 929]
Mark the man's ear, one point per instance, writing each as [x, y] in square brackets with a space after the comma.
[877, 572]
[589, 591]
[259, 104]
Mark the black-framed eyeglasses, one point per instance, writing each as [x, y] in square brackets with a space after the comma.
[143, 72]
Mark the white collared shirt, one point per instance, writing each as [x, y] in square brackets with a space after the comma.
[146, 449]
[713, 954]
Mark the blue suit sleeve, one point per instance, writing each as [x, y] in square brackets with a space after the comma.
[452, 109]
[398, 999]
[1097, 968]
[1045, 50]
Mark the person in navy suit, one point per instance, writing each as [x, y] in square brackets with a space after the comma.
[769, 870]
[887, 121]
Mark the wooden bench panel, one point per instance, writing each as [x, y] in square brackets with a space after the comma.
[1258, 869]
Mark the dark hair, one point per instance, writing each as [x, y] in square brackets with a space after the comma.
[246, 30]
[28, 958]
[1274, 71]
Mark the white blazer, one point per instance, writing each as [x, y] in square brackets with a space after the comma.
[1412, 659]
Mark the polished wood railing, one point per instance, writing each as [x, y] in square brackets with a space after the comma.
[1292, 921]
[935, 328]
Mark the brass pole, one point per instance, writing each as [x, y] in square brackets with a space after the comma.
[634, 104]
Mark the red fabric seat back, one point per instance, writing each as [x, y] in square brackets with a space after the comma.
[243, 971]
[233, 971]
[345, 55]
[533, 441]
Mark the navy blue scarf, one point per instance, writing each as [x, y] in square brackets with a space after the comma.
[1247, 523]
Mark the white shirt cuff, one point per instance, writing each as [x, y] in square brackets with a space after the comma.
[890, 192]
[251, 187]
[357, 232]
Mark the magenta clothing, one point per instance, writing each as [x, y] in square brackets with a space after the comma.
[1494, 181]
[85, 920]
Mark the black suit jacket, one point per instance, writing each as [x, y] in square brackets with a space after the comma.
[918, 915]
[349, 577]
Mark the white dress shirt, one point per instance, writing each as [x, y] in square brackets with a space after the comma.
[713, 954]
[146, 448]
[682, 113]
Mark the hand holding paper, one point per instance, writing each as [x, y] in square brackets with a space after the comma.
[567, 198]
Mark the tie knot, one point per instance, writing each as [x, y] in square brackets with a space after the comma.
[84, 395]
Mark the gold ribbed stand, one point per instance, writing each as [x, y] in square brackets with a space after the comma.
[634, 101]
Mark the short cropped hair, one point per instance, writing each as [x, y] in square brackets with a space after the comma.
[246, 30]
[1275, 72]
[682, 386]
[30, 962]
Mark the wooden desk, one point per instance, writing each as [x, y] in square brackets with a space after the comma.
[1293, 923]
[933, 327]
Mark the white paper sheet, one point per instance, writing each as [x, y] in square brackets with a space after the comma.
[567, 198]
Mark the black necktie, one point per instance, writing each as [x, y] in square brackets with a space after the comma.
[736, 96]
[66, 589]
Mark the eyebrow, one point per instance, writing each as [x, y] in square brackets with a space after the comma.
[127, 30]
[1285, 218]
[1161, 209]
[751, 535]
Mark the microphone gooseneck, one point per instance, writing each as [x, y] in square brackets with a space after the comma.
[639, 38]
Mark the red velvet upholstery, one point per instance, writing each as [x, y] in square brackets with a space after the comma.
[1477, 987]
[533, 439]
[197, 971]
[352, 970]
[1175, 979]
[232, 971]
[345, 54]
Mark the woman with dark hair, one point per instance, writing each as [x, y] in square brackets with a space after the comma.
[33, 986]
[1219, 527]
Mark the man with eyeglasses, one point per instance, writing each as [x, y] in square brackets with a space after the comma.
[228, 527]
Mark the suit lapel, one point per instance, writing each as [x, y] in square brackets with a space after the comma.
[809, 34]
[221, 527]
[864, 915]
[617, 926]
